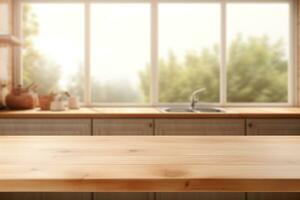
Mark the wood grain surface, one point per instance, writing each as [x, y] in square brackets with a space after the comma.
[149, 163]
[152, 112]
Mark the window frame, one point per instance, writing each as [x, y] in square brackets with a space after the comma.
[154, 38]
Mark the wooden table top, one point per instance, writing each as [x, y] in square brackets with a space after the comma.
[149, 163]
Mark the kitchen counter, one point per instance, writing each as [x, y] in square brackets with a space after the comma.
[132, 112]
[149, 163]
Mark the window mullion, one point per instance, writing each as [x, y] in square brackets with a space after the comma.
[17, 52]
[223, 67]
[292, 64]
[87, 73]
[154, 53]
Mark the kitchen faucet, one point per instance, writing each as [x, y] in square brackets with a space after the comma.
[194, 97]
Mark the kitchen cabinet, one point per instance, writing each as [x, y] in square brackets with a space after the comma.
[200, 196]
[273, 127]
[273, 196]
[200, 127]
[66, 196]
[45, 127]
[123, 127]
[124, 196]
[20, 196]
[44, 196]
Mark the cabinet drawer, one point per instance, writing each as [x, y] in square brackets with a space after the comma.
[199, 127]
[123, 196]
[45, 127]
[273, 126]
[200, 196]
[66, 196]
[273, 196]
[122, 127]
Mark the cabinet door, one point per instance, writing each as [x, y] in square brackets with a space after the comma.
[66, 196]
[45, 196]
[200, 196]
[200, 127]
[20, 196]
[273, 196]
[273, 126]
[123, 196]
[123, 127]
[45, 127]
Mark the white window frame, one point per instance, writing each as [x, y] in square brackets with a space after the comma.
[154, 88]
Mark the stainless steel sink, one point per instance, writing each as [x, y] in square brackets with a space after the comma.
[210, 110]
[177, 110]
[189, 110]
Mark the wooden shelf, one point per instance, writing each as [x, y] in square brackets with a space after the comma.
[9, 40]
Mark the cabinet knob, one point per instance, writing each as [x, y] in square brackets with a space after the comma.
[250, 125]
[150, 125]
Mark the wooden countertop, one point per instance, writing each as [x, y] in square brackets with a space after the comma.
[132, 112]
[149, 163]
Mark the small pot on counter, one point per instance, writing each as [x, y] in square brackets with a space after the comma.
[22, 99]
[45, 101]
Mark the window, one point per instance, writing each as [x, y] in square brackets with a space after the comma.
[53, 53]
[258, 52]
[153, 53]
[120, 50]
[189, 43]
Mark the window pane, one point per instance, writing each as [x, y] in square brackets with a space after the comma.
[54, 44]
[258, 52]
[189, 36]
[120, 51]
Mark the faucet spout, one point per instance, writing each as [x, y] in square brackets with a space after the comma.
[195, 97]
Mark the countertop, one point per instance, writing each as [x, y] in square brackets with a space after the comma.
[150, 163]
[148, 112]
